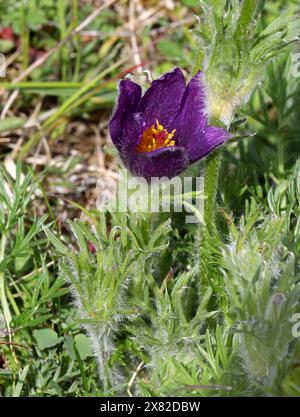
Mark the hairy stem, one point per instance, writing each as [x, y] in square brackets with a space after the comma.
[212, 165]
[211, 177]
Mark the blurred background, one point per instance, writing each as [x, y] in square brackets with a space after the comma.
[54, 116]
[64, 59]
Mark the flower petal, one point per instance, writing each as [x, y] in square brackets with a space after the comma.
[162, 99]
[164, 162]
[132, 131]
[129, 98]
[191, 119]
[211, 138]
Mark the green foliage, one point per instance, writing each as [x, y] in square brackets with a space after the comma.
[32, 315]
[37, 13]
[46, 338]
[271, 153]
[101, 278]
[263, 296]
[234, 49]
[221, 335]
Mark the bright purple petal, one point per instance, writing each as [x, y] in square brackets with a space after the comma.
[164, 162]
[191, 119]
[129, 98]
[211, 138]
[162, 100]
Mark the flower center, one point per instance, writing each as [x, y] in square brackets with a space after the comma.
[155, 137]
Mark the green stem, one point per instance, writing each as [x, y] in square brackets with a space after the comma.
[211, 177]
[3, 299]
[280, 153]
[61, 6]
[41, 85]
[77, 42]
[212, 166]
[25, 42]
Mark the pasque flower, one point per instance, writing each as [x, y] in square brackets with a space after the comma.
[166, 130]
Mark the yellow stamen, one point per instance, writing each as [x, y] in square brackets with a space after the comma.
[155, 137]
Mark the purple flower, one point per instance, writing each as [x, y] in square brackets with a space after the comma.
[166, 130]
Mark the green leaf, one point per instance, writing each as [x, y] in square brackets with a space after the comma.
[18, 389]
[6, 46]
[46, 338]
[83, 345]
[291, 382]
[11, 123]
[59, 246]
